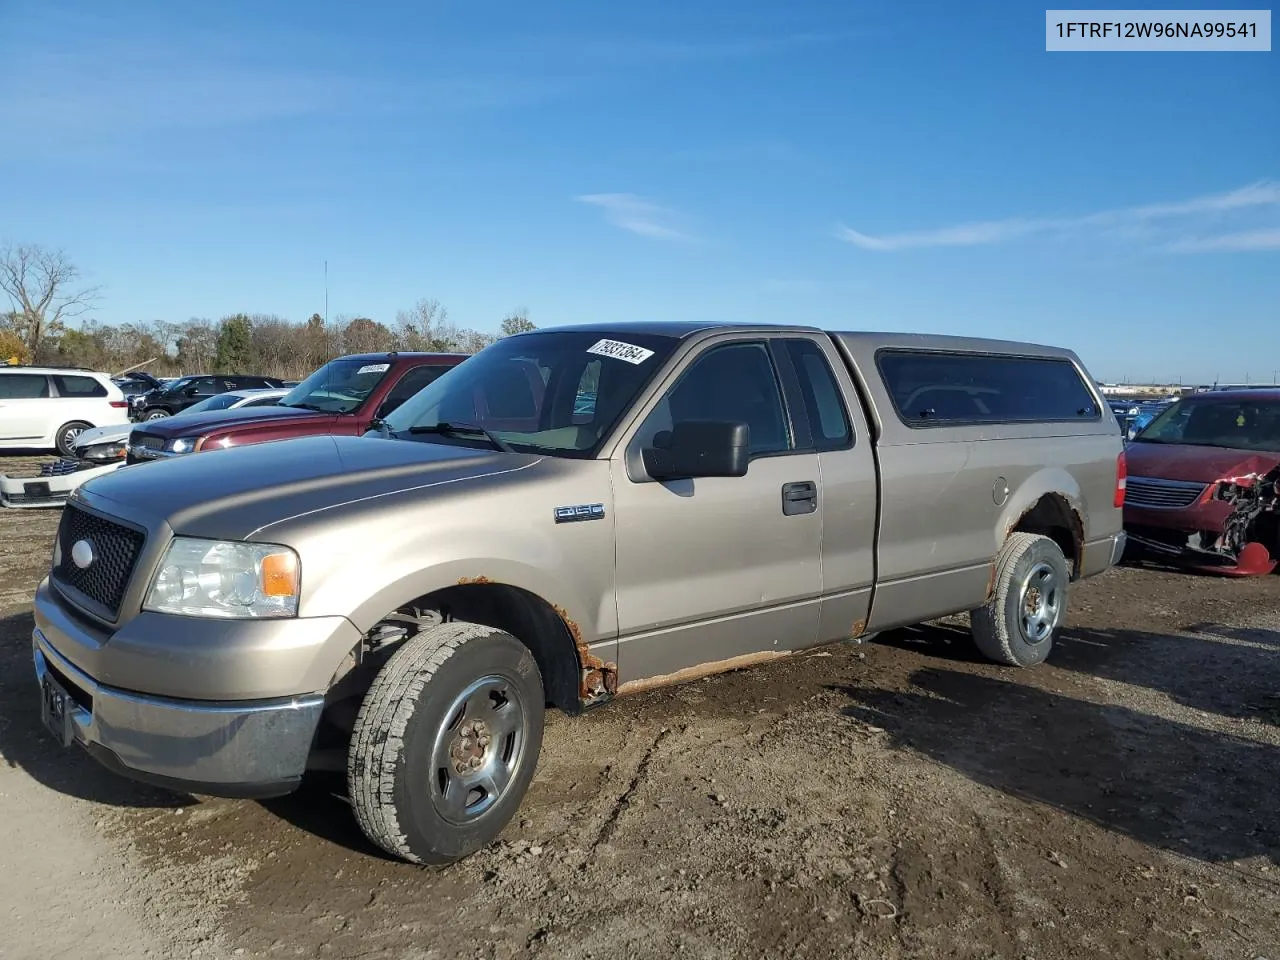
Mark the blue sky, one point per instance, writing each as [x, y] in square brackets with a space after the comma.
[910, 165]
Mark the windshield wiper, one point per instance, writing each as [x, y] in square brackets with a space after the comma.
[463, 429]
[304, 406]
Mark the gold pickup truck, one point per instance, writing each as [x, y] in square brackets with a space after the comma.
[567, 516]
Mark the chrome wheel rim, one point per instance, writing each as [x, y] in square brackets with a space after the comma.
[69, 437]
[156, 415]
[1039, 603]
[477, 749]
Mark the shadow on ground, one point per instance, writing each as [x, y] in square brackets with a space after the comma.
[1203, 794]
[1227, 671]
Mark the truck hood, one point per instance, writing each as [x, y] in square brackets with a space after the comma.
[194, 424]
[231, 493]
[1176, 461]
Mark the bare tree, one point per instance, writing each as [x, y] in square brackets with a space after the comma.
[44, 286]
[517, 321]
[420, 327]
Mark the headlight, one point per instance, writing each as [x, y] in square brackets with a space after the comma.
[218, 578]
[182, 445]
[1134, 411]
[104, 451]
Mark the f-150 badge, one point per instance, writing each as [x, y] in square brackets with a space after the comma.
[584, 511]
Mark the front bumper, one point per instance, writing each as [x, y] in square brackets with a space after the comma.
[254, 748]
[48, 491]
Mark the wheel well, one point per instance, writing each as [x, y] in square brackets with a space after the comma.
[1051, 516]
[549, 636]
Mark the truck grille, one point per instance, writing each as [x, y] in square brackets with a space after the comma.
[1154, 492]
[115, 548]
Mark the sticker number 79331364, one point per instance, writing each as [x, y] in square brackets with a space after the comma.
[620, 351]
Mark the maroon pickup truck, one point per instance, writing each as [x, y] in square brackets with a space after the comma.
[344, 396]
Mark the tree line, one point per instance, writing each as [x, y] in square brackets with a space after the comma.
[45, 293]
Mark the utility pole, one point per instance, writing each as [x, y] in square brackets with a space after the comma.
[326, 293]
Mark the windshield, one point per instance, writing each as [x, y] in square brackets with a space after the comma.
[338, 387]
[219, 402]
[1233, 424]
[174, 386]
[556, 392]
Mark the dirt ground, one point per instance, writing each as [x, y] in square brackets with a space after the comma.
[898, 799]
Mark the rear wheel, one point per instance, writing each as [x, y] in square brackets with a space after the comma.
[1017, 624]
[65, 438]
[446, 742]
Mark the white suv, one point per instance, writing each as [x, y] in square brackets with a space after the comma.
[43, 408]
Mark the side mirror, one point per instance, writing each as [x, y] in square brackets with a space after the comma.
[699, 448]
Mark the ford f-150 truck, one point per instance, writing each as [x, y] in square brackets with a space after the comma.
[569, 515]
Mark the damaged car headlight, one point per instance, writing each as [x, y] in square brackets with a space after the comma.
[104, 452]
[230, 579]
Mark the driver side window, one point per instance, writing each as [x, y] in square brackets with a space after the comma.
[734, 381]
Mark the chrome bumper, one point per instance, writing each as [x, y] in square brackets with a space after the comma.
[255, 748]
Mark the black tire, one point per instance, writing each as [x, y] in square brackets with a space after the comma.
[156, 413]
[397, 781]
[1030, 569]
[64, 439]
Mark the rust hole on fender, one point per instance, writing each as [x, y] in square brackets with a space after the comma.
[467, 581]
[599, 678]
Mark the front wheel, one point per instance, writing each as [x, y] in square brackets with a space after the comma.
[1016, 625]
[446, 743]
[156, 414]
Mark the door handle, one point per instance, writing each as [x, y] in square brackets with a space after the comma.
[799, 497]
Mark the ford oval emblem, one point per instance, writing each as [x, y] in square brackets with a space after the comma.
[82, 554]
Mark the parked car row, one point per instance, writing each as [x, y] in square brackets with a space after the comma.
[344, 397]
[100, 450]
[168, 399]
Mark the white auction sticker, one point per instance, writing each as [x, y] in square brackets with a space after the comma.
[373, 368]
[620, 351]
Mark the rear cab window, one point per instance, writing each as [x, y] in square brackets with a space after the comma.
[822, 420]
[936, 388]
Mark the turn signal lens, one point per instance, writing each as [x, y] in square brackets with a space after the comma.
[280, 575]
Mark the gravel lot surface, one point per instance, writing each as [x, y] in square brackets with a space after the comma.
[887, 800]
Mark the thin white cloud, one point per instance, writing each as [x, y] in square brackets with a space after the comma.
[1267, 239]
[1173, 221]
[626, 211]
[701, 50]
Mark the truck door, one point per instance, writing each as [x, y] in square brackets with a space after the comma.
[715, 568]
[829, 419]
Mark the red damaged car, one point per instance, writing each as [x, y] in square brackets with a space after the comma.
[345, 396]
[1182, 468]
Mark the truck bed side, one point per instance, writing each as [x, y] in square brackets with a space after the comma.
[950, 495]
